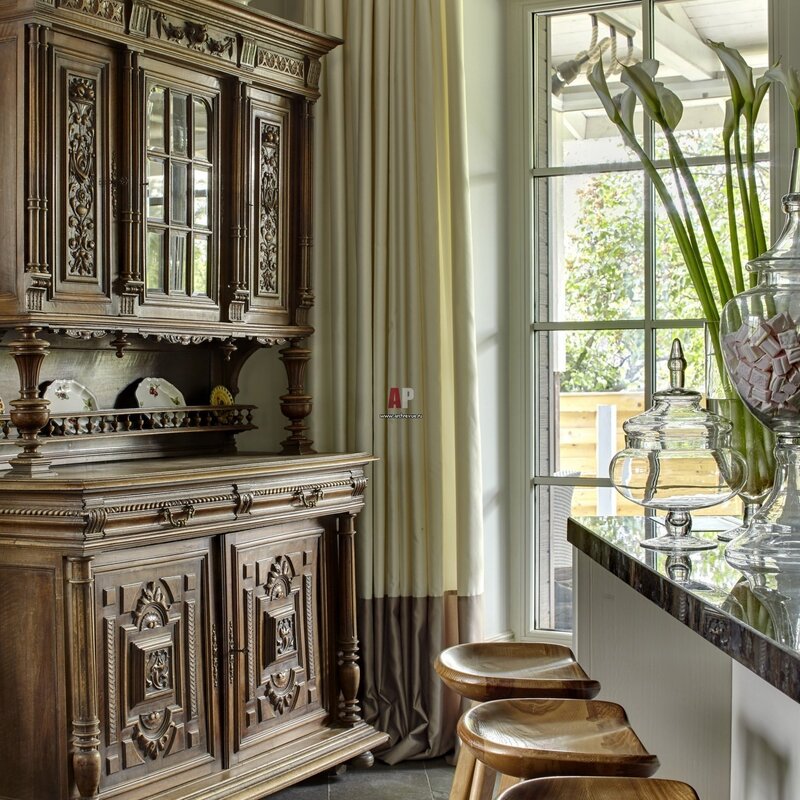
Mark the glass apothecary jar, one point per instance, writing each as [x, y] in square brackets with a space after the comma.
[677, 458]
[761, 348]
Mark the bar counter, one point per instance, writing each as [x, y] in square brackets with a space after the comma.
[757, 625]
[702, 660]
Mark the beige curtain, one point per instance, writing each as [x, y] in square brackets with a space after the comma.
[394, 276]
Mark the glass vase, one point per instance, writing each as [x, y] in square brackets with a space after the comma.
[760, 343]
[755, 442]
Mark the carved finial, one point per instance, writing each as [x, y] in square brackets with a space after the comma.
[120, 343]
[228, 349]
[677, 365]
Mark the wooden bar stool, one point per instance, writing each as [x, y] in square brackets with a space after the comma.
[600, 789]
[483, 671]
[527, 738]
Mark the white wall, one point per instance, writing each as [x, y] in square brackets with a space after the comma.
[484, 56]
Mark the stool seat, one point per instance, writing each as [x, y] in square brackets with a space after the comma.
[528, 738]
[484, 671]
[599, 789]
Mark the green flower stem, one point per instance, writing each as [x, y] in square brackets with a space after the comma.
[693, 263]
[736, 258]
[717, 262]
[755, 206]
[797, 126]
[748, 219]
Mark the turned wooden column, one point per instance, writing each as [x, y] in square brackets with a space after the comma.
[81, 649]
[296, 404]
[29, 412]
[347, 641]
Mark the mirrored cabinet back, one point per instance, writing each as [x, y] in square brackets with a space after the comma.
[178, 620]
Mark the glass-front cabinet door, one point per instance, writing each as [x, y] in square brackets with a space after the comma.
[182, 197]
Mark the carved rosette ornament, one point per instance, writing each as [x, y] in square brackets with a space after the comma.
[81, 200]
[269, 209]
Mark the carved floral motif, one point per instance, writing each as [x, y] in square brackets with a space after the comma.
[82, 148]
[284, 636]
[269, 209]
[194, 34]
[110, 10]
[157, 670]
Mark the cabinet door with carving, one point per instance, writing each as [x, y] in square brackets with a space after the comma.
[262, 294]
[274, 660]
[81, 250]
[157, 674]
[181, 155]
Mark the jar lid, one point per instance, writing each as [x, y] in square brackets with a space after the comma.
[785, 253]
[676, 421]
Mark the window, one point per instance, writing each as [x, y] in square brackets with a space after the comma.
[608, 288]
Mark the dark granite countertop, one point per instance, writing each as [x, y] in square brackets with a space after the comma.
[755, 621]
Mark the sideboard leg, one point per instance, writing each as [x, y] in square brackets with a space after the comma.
[347, 644]
[83, 672]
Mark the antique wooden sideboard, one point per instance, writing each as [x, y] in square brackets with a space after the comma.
[177, 620]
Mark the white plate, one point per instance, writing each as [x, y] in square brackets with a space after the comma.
[69, 397]
[158, 393]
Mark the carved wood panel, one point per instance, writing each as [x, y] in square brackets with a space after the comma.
[153, 638]
[270, 251]
[84, 109]
[274, 640]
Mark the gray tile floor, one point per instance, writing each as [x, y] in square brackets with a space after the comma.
[411, 780]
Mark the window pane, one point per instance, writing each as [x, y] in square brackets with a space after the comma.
[553, 553]
[155, 189]
[590, 382]
[155, 260]
[579, 131]
[202, 181]
[155, 119]
[592, 260]
[177, 193]
[179, 125]
[177, 262]
[201, 129]
[692, 70]
[200, 266]
[676, 295]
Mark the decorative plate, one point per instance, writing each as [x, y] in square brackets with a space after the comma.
[221, 396]
[68, 397]
[158, 393]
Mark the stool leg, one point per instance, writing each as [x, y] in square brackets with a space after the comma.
[472, 780]
[483, 778]
[462, 778]
[506, 782]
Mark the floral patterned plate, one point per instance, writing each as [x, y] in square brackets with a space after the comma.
[158, 393]
[68, 397]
